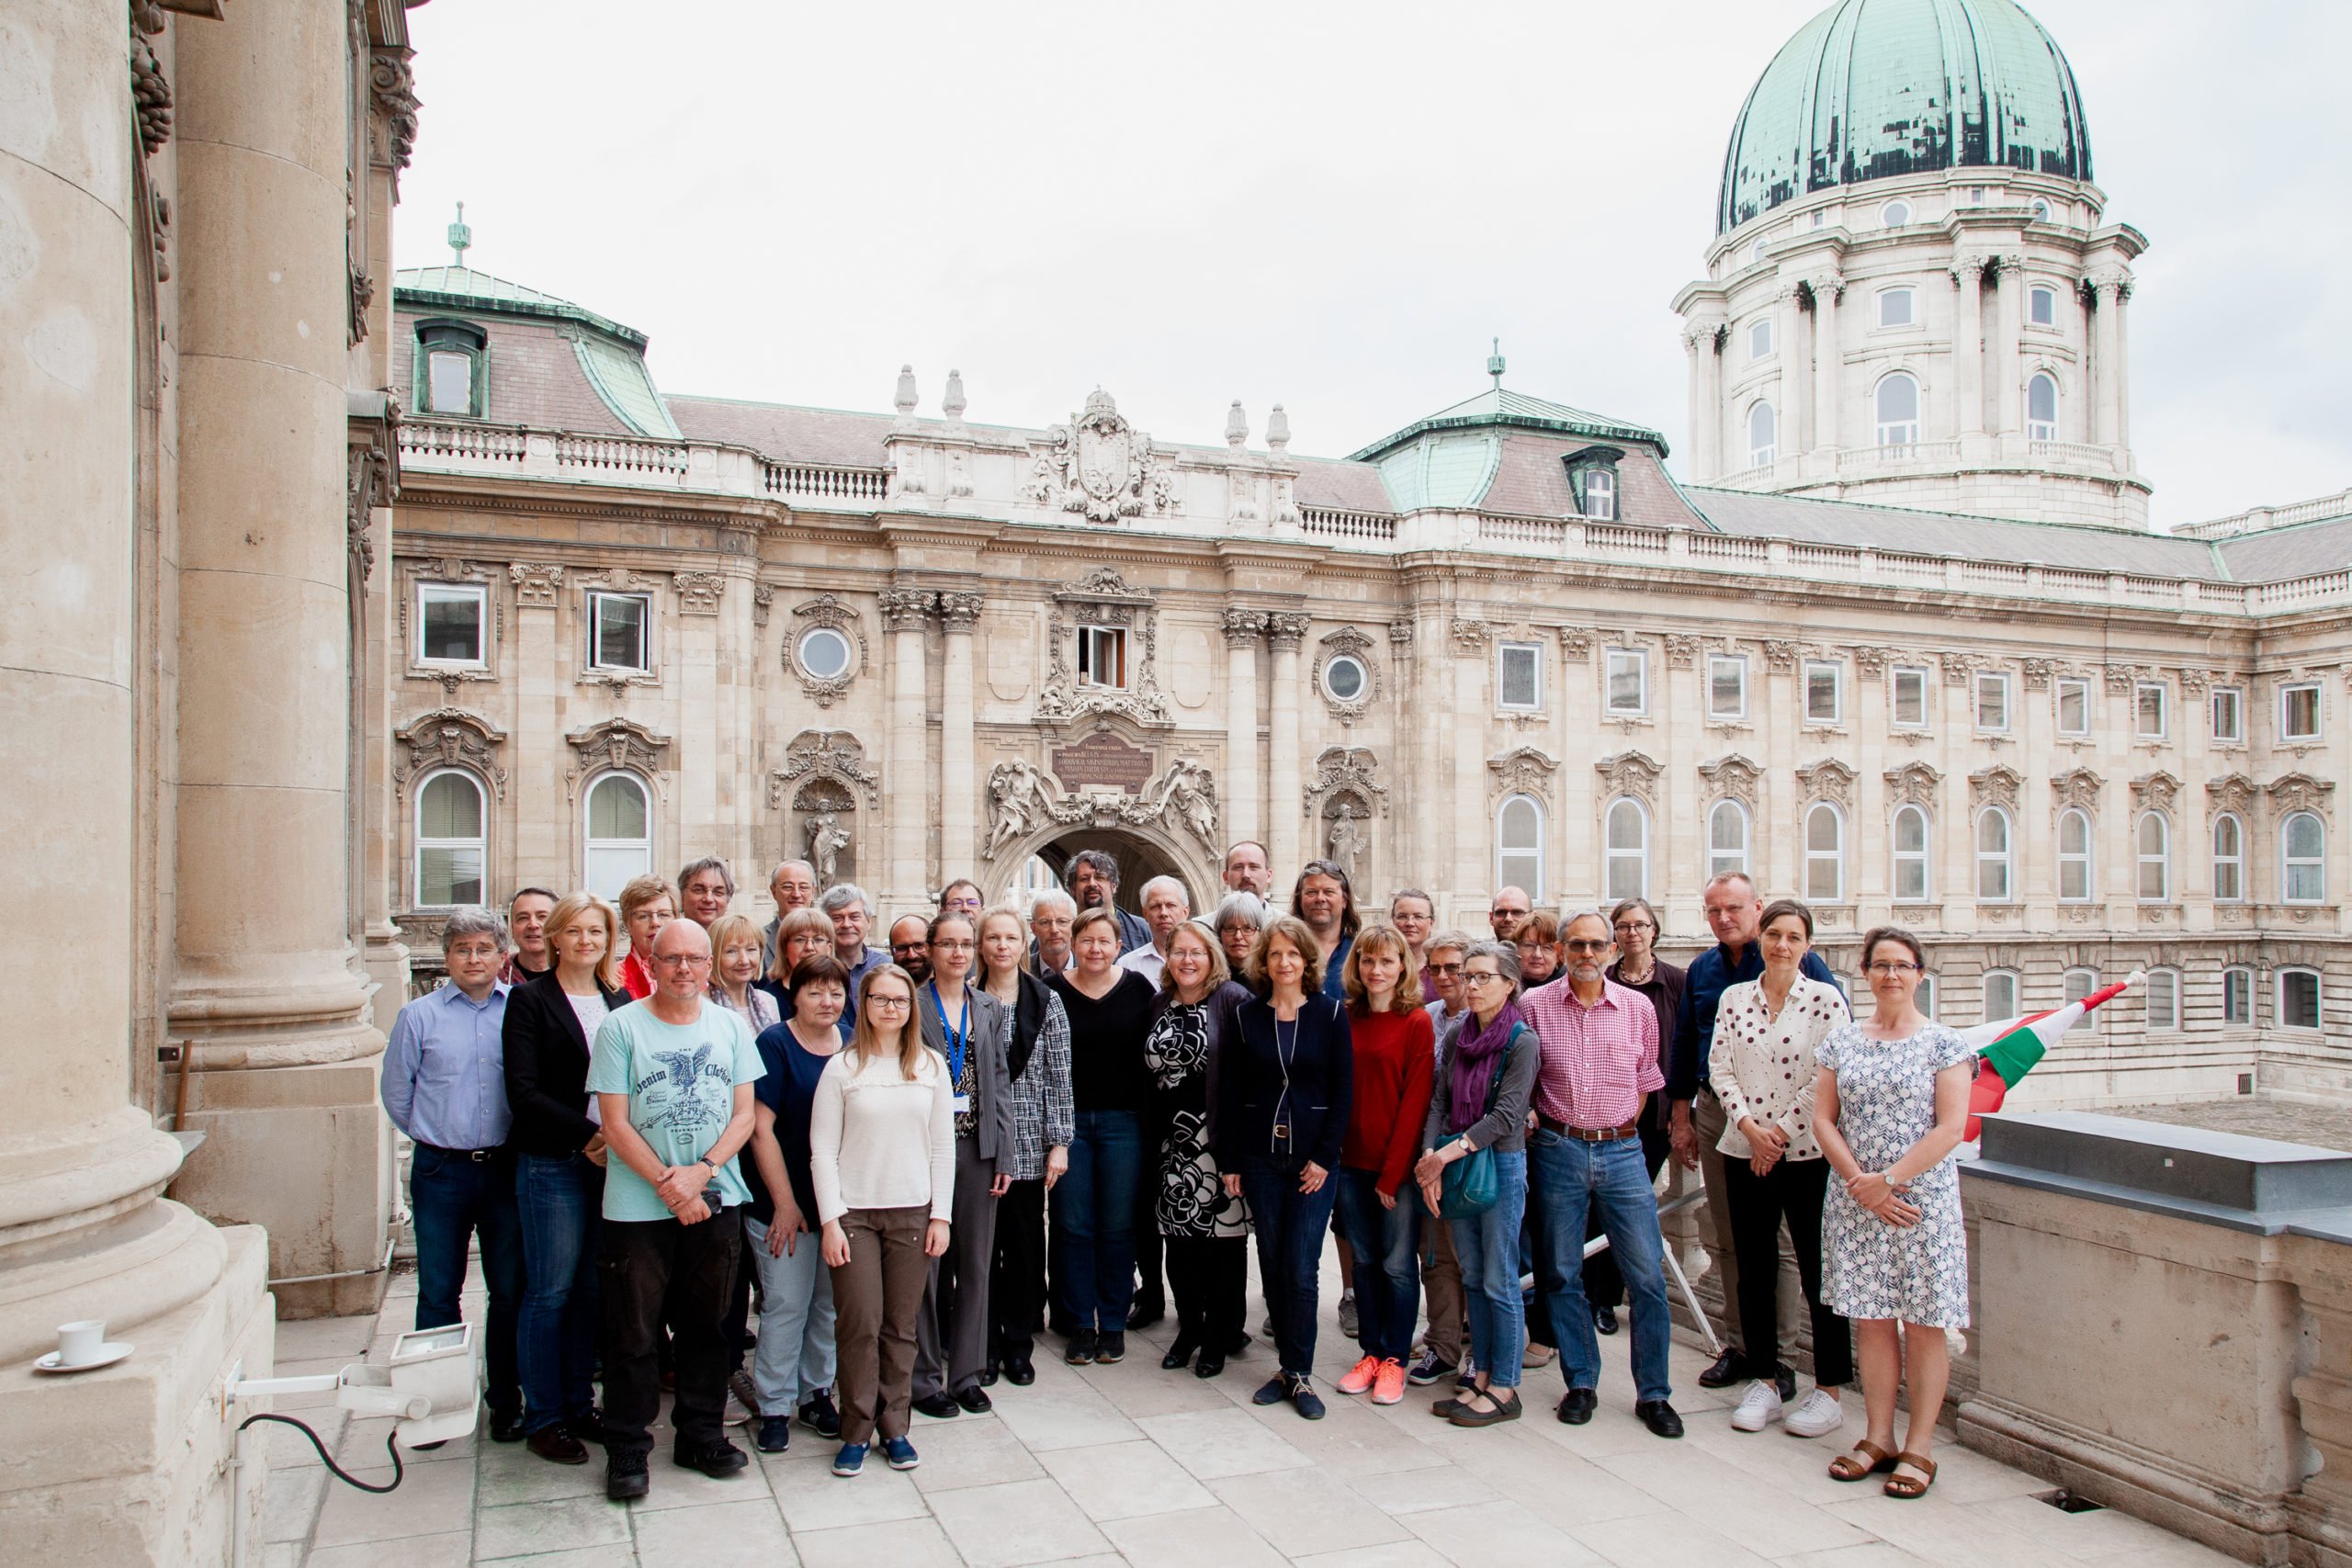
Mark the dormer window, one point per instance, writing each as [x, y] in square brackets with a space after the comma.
[450, 361]
[1592, 481]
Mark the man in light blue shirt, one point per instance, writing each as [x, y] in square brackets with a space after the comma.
[445, 1085]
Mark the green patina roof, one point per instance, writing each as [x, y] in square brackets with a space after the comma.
[1449, 459]
[1870, 89]
[611, 356]
[1498, 408]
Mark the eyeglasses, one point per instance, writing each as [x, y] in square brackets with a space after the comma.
[1481, 977]
[1445, 969]
[1498, 910]
[950, 947]
[1586, 945]
[1635, 926]
[897, 1003]
[683, 960]
[1885, 969]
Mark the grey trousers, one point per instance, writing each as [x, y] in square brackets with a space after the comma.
[1707, 1123]
[951, 1335]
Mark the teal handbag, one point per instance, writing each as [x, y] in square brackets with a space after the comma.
[1472, 1186]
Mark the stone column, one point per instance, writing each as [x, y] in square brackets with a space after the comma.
[958, 831]
[2008, 390]
[1789, 323]
[267, 995]
[1828, 363]
[2122, 351]
[907, 790]
[1283, 805]
[1473, 867]
[1243, 629]
[1968, 346]
[1706, 410]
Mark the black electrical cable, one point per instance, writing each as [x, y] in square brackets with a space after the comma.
[391, 1446]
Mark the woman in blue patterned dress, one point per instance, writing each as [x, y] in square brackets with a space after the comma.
[1889, 1110]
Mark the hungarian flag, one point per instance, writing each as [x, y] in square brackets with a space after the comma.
[2008, 1050]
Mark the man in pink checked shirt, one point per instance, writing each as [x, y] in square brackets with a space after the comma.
[1599, 1064]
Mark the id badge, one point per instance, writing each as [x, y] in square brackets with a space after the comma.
[963, 1105]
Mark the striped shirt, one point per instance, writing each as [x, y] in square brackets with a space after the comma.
[1598, 1061]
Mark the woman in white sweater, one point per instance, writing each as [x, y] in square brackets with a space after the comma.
[882, 1162]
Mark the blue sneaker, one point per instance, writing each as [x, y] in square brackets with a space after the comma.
[902, 1453]
[851, 1461]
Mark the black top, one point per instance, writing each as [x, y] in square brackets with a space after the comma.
[1270, 1077]
[546, 1069]
[1107, 1070]
[788, 1089]
[1666, 988]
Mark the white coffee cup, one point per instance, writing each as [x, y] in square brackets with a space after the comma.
[79, 1342]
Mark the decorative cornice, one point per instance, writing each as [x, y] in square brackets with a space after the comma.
[1914, 782]
[1731, 777]
[451, 738]
[1633, 773]
[2077, 787]
[1525, 770]
[619, 743]
[1827, 779]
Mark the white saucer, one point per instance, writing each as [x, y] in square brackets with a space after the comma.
[108, 1354]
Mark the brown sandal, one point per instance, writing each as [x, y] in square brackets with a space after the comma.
[1903, 1485]
[1844, 1468]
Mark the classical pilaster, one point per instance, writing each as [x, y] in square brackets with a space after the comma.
[1473, 865]
[266, 997]
[1244, 629]
[959, 611]
[2008, 384]
[907, 790]
[1287, 633]
[2109, 381]
[1968, 346]
[1700, 346]
[1789, 324]
[1828, 361]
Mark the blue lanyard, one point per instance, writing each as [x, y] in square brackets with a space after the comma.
[956, 1037]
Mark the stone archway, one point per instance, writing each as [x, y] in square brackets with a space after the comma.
[1141, 853]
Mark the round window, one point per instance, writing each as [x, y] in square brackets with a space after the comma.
[824, 653]
[1344, 678]
[1894, 214]
[2041, 212]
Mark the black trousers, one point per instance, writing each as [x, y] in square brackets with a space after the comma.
[1151, 1290]
[1209, 1277]
[654, 1271]
[1017, 1283]
[1603, 1286]
[1791, 1189]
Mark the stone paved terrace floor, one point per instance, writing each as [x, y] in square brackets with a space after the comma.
[1162, 1470]
[2256, 1116]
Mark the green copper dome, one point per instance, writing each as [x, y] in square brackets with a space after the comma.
[1870, 89]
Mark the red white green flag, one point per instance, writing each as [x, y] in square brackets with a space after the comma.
[2011, 1048]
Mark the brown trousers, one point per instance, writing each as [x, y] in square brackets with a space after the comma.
[1442, 1289]
[1707, 1125]
[877, 1296]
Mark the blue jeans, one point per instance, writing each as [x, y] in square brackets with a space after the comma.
[1487, 1247]
[1291, 1228]
[1388, 1274]
[1094, 1242]
[451, 1200]
[559, 1199]
[1572, 1177]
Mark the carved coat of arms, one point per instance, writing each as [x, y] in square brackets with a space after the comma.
[1100, 466]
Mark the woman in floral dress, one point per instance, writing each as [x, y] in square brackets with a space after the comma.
[1207, 1231]
[1889, 1108]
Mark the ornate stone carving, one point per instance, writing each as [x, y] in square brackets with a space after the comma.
[1832, 284]
[1400, 636]
[392, 93]
[1960, 668]
[1288, 631]
[826, 840]
[1629, 772]
[1243, 625]
[825, 610]
[537, 584]
[451, 738]
[1731, 777]
[1470, 634]
[827, 756]
[1524, 770]
[1345, 771]
[1780, 655]
[2077, 786]
[1348, 643]
[762, 603]
[2231, 792]
[1575, 644]
[1099, 466]
[1827, 779]
[374, 481]
[151, 93]
[906, 609]
[1023, 798]
[2299, 792]
[1681, 652]
[960, 611]
[1912, 783]
[1102, 598]
[2121, 679]
[698, 591]
[2155, 792]
[1870, 660]
[2197, 682]
[618, 743]
[2038, 672]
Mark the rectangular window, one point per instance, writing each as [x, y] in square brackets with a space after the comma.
[617, 628]
[1895, 308]
[1759, 338]
[2298, 999]
[2229, 713]
[2299, 713]
[2237, 996]
[1822, 694]
[2042, 306]
[449, 382]
[2164, 999]
[1521, 676]
[1993, 704]
[1102, 657]
[1628, 681]
[1911, 699]
[449, 621]
[1726, 687]
[2074, 707]
[2000, 996]
[1600, 494]
[2148, 707]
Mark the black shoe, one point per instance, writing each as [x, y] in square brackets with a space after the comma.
[989, 1375]
[1143, 1314]
[556, 1444]
[1784, 1381]
[975, 1400]
[506, 1427]
[940, 1406]
[1238, 1345]
[625, 1477]
[1019, 1372]
[717, 1460]
[1082, 1349]
[1179, 1354]
[817, 1414]
[1731, 1367]
[1605, 1319]
[1211, 1363]
[1110, 1348]
[774, 1434]
[1576, 1407]
[1660, 1417]
[1302, 1398]
[1272, 1391]
[428, 1448]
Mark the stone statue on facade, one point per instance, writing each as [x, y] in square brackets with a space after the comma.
[827, 839]
[1019, 801]
[1346, 846]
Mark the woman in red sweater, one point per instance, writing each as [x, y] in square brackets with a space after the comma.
[1394, 1060]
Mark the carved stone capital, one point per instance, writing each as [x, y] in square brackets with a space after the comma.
[2197, 682]
[1470, 634]
[537, 584]
[1575, 644]
[392, 95]
[1681, 652]
[960, 611]
[762, 602]
[1400, 635]
[1243, 625]
[1286, 631]
[906, 609]
[1966, 268]
[1780, 655]
[1703, 338]
[1832, 284]
[699, 593]
[2038, 672]
[1870, 660]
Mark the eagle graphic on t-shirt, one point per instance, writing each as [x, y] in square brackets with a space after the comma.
[675, 1080]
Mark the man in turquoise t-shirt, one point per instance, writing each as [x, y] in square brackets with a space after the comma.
[672, 1075]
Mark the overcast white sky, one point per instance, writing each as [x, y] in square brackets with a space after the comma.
[1333, 207]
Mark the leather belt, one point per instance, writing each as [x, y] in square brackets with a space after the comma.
[480, 1157]
[1588, 1134]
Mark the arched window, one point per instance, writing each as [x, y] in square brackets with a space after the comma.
[1994, 882]
[449, 838]
[1519, 845]
[2298, 1004]
[2041, 408]
[2080, 983]
[1898, 412]
[2237, 996]
[620, 834]
[2153, 846]
[1911, 855]
[2074, 856]
[2303, 843]
[2164, 1001]
[2229, 858]
[1824, 855]
[1727, 839]
[1763, 435]
[2000, 996]
[1627, 853]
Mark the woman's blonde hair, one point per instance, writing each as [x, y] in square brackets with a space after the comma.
[569, 909]
[1293, 930]
[1219, 970]
[639, 891]
[1407, 995]
[1020, 929]
[807, 920]
[727, 928]
[862, 1040]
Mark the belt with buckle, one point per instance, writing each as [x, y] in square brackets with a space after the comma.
[1588, 1134]
[480, 1157]
[1282, 1131]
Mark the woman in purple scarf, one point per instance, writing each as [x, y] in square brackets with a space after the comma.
[1480, 1102]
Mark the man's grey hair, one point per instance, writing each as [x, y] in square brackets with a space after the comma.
[708, 863]
[1173, 884]
[841, 896]
[1722, 878]
[1095, 860]
[1506, 957]
[472, 920]
[1573, 915]
[1247, 907]
[1046, 896]
[784, 866]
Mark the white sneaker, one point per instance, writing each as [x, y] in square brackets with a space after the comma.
[1817, 1415]
[1758, 1407]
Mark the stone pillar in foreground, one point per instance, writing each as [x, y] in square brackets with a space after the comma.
[1284, 852]
[268, 999]
[959, 848]
[905, 789]
[1243, 629]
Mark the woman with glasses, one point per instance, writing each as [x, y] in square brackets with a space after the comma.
[1206, 1229]
[1764, 1068]
[1890, 1104]
[1538, 940]
[801, 935]
[1239, 920]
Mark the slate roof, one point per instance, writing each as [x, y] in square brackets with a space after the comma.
[2078, 546]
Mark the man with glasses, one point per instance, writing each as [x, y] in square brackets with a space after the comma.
[1734, 913]
[1634, 925]
[910, 946]
[672, 1075]
[1511, 907]
[961, 897]
[793, 886]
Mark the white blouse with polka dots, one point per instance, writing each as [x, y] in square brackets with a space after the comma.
[1764, 1067]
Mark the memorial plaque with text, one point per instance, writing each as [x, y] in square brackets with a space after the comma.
[1103, 758]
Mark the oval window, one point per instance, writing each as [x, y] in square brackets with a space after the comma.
[824, 653]
[1344, 678]
[1894, 214]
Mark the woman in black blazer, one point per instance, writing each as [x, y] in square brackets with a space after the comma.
[1286, 1089]
[559, 1148]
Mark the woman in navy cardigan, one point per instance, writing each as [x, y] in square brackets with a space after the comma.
[1285, 1087]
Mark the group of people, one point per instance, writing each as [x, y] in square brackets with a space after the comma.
[799, 1178]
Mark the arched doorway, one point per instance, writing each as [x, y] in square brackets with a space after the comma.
[1141, 857]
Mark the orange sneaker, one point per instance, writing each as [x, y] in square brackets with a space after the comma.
[1360, 1376]
[1389, 1382]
